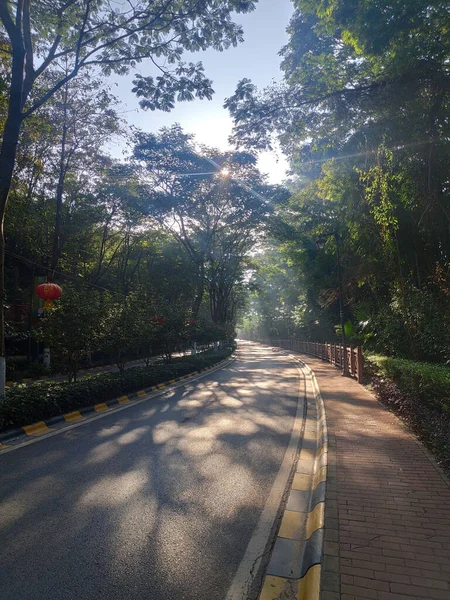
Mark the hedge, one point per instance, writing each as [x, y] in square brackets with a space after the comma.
[24, 405]
[428, 383]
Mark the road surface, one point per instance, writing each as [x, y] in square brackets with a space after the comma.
[156, 502]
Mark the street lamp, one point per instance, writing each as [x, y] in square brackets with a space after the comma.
[320, 243]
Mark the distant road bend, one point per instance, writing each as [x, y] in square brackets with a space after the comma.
[161, 501]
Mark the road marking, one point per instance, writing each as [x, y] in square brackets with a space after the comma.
[73, 416]
[277, 587]
[309, 585]
[251, 564]
[292, 525]
[301, 482]
[100, 407]
[315, 519]
[38, 428]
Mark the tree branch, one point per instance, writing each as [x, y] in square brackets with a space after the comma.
[13, 32]
[29, 68]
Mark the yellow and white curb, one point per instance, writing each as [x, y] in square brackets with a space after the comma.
[294, 569]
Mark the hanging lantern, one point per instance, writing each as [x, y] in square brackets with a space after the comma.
[48, 292]
[162, 320]
[154, 319]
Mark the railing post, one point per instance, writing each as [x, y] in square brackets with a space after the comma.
[359, 364]
[352, 361]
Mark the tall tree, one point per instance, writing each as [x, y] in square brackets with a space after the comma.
[213, 215]
[362, 113]
[113, 38]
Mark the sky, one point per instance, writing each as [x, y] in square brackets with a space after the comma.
[257, 59]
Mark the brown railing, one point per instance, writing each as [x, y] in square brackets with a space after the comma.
[332, 353]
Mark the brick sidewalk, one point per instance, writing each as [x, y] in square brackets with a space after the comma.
[387, 521]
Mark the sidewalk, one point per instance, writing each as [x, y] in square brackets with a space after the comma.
[387, 519]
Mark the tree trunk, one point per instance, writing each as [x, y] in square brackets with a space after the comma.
[7, 162]
[56, 250]
[8, 152]
[199, 293]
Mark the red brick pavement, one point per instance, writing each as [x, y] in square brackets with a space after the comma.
[387, 523]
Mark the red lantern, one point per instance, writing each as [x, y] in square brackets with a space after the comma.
[48, 292]
[162, 320]
[154, 319]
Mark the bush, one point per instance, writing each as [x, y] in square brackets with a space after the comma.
[24, 405]
[416, 327]
[428, 383]
[418, 393]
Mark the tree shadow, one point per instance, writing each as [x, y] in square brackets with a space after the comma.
[157, 501]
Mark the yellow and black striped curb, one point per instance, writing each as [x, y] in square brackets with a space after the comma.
[294, 569]
[14, 437]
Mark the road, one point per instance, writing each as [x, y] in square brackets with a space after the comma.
[156, 502]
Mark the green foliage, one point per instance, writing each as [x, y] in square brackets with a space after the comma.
[24, 405]
[362, 114]
[72, 329]
[412, 325]
[216, 219]
[426, 382]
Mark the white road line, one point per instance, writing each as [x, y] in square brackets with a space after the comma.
[250, 567]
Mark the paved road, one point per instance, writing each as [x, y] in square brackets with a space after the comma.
[157, 502]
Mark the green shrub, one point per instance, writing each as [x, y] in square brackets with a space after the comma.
[23, 405]
[427, 382]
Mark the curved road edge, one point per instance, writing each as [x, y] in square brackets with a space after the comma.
[295, 566]
[248, 579]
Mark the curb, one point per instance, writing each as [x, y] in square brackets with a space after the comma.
[14, 437]
[295, 567]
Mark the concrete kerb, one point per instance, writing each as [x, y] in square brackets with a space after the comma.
[295, 568]
[14, 437]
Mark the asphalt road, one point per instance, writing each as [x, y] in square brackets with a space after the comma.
[157, 502]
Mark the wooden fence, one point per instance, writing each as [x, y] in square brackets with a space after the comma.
[332, 353]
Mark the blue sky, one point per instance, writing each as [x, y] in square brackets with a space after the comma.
[257, 58]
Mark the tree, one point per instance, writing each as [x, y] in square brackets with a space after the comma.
[362, 113]
[216, 219]
[109, 37]
[72, 328]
